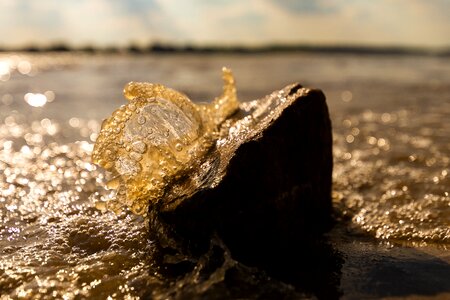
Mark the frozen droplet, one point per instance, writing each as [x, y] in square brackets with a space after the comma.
[108, 153]
[135, 156]
[141, 120]
[138, 207]
[167, 133]
[139, 146]
[126, 166]
[178, 147]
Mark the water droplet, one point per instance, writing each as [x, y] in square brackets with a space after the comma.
[178, 147]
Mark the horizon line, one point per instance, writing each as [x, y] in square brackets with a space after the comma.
[162, 47]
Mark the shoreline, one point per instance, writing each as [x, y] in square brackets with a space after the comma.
[240, 50]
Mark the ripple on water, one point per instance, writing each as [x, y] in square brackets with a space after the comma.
[53, 242]
[391, 179]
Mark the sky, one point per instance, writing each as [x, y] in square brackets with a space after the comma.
[416, 23]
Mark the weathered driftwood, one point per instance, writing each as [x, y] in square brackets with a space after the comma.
[264, 189]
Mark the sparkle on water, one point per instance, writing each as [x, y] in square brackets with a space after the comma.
[50, 234]
[391, 179]
[393, 184]
[157, 137]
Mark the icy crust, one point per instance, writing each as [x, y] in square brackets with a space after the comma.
[156, 138]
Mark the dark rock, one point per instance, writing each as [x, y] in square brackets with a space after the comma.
[264, 190]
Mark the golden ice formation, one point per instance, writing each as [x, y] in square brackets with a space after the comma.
[156, 138]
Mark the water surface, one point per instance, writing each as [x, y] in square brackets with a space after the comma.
[391, 175]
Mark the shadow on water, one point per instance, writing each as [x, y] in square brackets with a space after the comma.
[376, 271]
[309, 269]
[314, 267]
[338, 265]
[405, 272]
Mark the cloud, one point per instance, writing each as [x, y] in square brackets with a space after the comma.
[400, 22]
[102, 22]
[308, 6]
[78, 22]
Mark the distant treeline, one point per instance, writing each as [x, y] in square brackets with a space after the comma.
[172, 48]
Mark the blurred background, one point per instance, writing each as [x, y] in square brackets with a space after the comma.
[267, 43]
[101, 23]
[385, 70]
